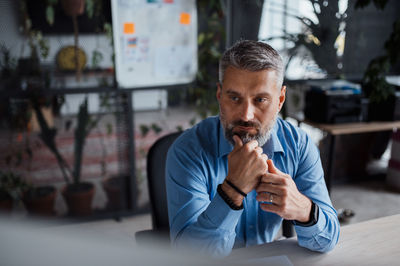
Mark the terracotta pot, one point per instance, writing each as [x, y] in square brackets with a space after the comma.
[79, 198]
[40, 200]
[73, 7]
[115, 190]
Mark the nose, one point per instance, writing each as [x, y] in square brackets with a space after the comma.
[247, 112]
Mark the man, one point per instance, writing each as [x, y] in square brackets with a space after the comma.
[232, 179]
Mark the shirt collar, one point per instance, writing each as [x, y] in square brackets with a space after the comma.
[272, 146]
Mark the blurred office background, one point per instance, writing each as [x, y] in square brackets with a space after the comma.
[66, 125]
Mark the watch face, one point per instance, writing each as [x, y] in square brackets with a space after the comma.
[66, 59]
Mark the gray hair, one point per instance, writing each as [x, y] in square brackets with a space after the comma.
[252, 56]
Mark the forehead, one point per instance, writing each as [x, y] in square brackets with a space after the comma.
[245, 81]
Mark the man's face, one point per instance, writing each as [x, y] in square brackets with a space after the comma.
[249, 103]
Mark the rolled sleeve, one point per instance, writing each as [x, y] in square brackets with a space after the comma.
[322, 236]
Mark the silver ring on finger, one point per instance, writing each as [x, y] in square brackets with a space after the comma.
[271, 198]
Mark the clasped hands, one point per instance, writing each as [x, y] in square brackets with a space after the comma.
[249, 168]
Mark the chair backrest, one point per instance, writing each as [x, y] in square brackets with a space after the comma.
[156, 159]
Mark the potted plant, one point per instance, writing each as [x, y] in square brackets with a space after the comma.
[12, 187]
[74, 8]
[77, 193]
[381, 94]
[18, 121]
[318, 37]
[318, 42]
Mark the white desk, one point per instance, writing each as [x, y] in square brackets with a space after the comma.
[374, 242]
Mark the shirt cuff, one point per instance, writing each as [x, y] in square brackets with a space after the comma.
[221, 215]
[313, 229]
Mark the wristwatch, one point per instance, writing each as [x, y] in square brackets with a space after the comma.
[314, 213]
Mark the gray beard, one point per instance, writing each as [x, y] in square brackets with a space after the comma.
[260, 137]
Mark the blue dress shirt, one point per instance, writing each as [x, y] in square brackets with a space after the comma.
[197, 162]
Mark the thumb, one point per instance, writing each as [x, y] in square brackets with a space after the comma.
[271, 167]
[238, 141]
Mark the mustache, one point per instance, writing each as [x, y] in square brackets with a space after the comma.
[242, 123]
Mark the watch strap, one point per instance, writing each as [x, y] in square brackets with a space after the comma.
[314, 213]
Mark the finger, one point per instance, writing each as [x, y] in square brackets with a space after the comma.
[268, 187]
[267, 197]
[268, 207]
[265, 158]
[272, 179]
[252, 144]
[238, 141]
[259, 150]
[272, 168]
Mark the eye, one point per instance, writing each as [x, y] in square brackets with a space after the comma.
[234, 98]
[261, 100]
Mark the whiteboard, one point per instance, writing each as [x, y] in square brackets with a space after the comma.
[155, 42]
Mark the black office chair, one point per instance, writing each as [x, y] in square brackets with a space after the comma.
[156, 159]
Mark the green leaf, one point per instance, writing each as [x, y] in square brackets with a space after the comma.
[109, 128]
[156, 128]
[90, 8]
[192, 121]
[200, 39]
[81, 133]
[108, 31]
[44, 48]
[144, 130]
[97, 57]
[50, 14]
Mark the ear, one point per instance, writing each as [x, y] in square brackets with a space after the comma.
[219, 91]
[282, 97]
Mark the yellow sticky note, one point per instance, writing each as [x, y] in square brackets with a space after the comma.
[185, 19]
[129, 28]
